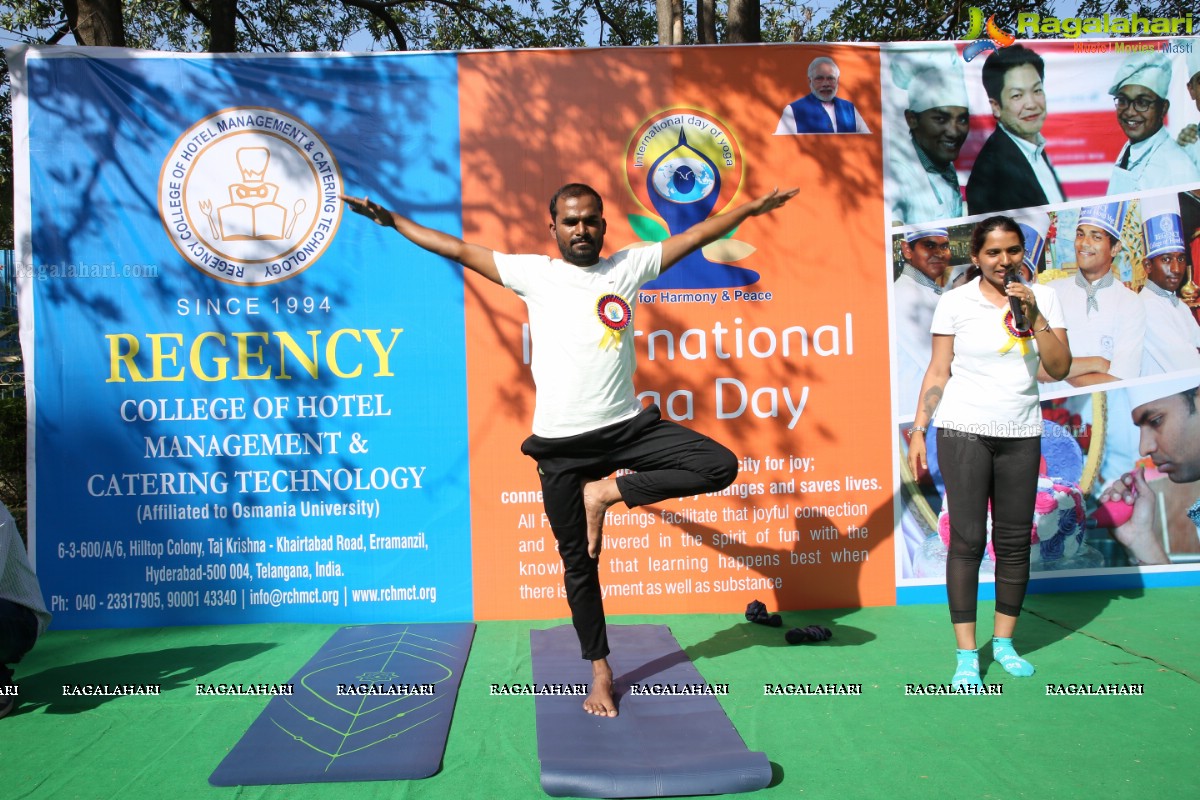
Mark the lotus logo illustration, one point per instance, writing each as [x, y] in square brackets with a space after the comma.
[684, 165]
[249, 195]
[997, 36]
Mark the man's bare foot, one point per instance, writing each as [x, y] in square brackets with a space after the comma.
[600, 702]
[598, 497]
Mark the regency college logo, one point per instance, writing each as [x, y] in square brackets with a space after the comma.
[683, 166]
[997, 37]
[249, 195]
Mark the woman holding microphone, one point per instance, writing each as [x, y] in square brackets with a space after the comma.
[981, 393]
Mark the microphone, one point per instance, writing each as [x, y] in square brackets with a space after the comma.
[1015, 303]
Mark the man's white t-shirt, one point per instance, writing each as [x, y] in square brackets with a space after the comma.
[583, 361]
[993, 388]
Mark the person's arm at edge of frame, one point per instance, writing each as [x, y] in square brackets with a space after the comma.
[713, 228]
[472, 256]
[932, 387]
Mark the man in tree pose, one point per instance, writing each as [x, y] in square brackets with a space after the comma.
[587, 420]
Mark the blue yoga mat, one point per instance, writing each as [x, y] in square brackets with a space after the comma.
[659, 746]
[317, 735]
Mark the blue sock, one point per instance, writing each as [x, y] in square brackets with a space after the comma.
[967, 673]
[1002, 651]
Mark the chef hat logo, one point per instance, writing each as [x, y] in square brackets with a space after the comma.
[1035, 227]
[1106, 216]
[1161, 225]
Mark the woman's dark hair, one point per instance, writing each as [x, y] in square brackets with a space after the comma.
[997, 223]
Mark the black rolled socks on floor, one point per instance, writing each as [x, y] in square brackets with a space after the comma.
[812, 633]
[757, 612]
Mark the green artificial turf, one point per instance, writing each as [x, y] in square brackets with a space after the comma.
[882, 744]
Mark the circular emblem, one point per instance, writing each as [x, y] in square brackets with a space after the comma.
[614, 312]
[249, 195]
[1010, 325]
[683, 156]
[683, 165]
[684, 180]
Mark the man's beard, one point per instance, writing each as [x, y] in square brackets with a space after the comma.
[580, 259]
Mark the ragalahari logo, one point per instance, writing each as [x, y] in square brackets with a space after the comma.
[249, 195]
[997, 36]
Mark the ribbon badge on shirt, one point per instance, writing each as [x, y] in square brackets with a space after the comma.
[614, 313]
[1016, 337]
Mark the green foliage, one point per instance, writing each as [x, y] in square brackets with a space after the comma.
[624, 23]
[262, 25]
[34, 20]
[896, 20]
[787, 21]
[1125, 8]
[916, 20]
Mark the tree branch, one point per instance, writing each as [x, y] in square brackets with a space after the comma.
[380, 12]
[254, 35]
[516, 34]
[483, 12]
[470, 25]
[59, 34]
[622, 34]
[195, 12]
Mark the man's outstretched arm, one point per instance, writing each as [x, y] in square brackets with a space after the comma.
[472, 256]
[714, 228]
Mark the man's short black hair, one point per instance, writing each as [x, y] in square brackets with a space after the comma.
[1000, 62]
[574, 190]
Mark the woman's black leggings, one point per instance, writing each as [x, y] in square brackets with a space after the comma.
[977, 469]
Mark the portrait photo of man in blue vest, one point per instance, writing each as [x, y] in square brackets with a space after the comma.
[821, 111]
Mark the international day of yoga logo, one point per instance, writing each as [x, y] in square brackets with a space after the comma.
[683, 166]
[249, 195]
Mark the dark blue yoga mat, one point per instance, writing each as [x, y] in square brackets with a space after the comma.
[317, 736]
[659, 746]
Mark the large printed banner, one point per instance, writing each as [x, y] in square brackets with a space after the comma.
[1091, 146]
[243, 409]
[773, 341]
[248, 405]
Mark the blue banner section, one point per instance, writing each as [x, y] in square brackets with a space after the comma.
[248, 407]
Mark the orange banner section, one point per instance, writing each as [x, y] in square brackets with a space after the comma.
[785, 362]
